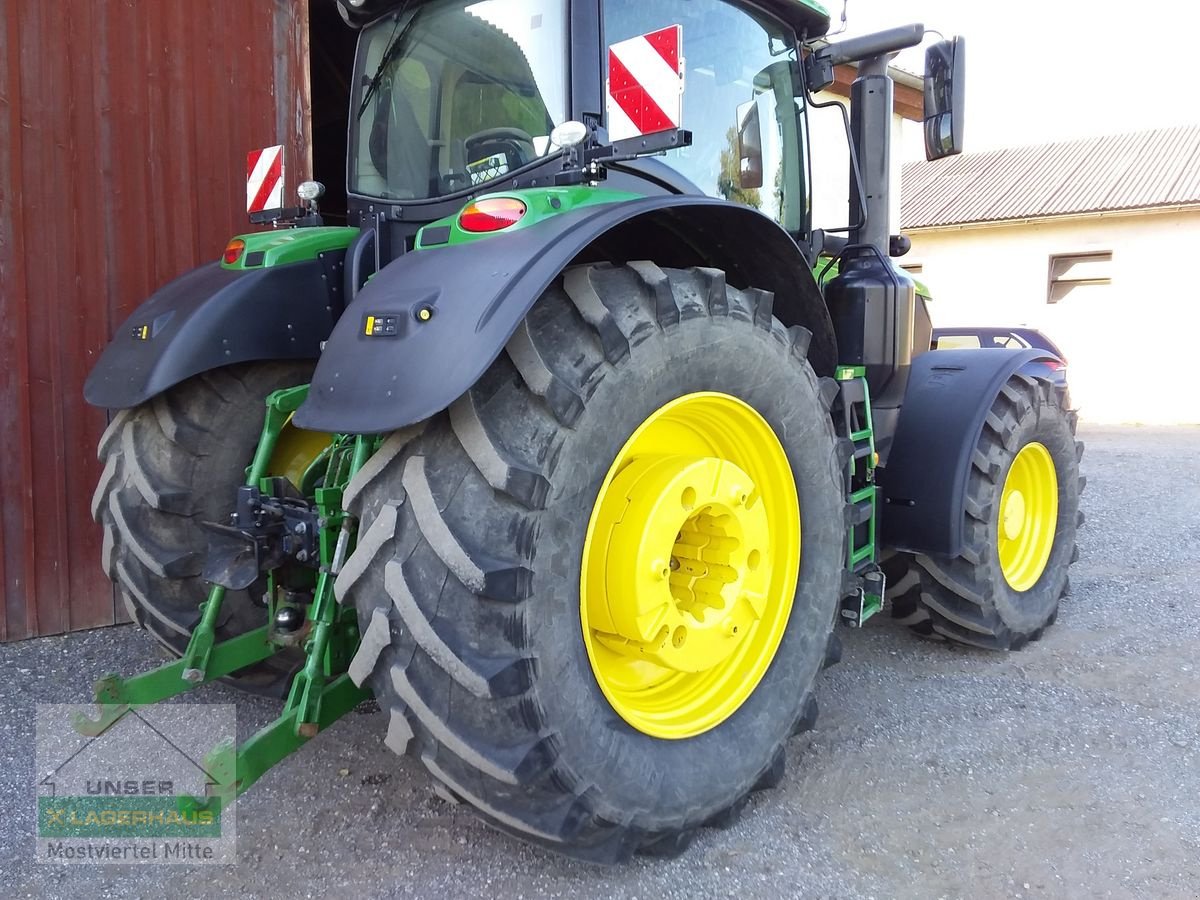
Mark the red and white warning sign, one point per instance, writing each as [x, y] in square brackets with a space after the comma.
[264, 179]
[645, 84]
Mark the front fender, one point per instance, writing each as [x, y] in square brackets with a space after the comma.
[211, 317]
[427, 326]
[924, 479]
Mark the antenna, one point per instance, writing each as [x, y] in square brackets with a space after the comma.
[842, 27]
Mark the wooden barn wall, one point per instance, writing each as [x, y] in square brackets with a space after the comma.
[124, 126]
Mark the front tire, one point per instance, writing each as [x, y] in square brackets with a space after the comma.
[467, 572]
[1019, 526]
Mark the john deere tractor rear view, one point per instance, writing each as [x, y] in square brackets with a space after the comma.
[567, 459]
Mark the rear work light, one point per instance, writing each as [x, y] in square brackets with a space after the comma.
[491, 214]
[233, 251]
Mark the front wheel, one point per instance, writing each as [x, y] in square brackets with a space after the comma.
[1019, 525]
[595, 593]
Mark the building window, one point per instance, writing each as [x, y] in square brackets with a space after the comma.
[1077, 272]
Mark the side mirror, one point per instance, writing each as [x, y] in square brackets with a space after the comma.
[750, 162]
[945, 70]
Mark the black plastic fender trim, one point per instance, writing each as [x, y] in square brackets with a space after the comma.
[211, 317]
[439, 317]
[924, 480]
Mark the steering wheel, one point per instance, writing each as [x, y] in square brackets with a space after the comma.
[515, 144]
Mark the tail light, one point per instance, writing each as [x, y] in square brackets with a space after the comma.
[233, 251]
[1055, 365]
[491, 214]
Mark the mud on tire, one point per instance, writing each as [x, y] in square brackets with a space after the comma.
[466, 575]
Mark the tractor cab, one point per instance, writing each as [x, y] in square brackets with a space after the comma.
[452, 98]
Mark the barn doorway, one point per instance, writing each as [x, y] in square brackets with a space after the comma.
[331, 64]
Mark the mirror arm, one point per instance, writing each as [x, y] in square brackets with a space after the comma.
[881, 43]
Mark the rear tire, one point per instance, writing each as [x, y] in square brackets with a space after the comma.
[967, 598]
[467, 573]
[170, 464]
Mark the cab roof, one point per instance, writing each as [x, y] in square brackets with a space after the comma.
[807, 16]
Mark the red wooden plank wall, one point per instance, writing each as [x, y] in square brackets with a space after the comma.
[124, 127]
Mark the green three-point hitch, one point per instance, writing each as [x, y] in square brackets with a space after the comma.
[279, 533]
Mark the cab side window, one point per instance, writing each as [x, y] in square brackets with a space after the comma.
[739, 100]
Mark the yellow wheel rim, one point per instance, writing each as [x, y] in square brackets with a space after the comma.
[690, 565]
[1028, 517]
[296, 450]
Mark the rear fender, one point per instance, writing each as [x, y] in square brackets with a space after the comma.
[218, 315]
[427, 326]
[924, 478]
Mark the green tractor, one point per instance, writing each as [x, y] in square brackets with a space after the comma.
[574, 454]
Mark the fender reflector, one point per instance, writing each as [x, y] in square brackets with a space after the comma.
[233, 251]
[491, 214]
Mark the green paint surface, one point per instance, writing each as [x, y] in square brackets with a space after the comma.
[291, 245]
[815, 7]
[541, 204]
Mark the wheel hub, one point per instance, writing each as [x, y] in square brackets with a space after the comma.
[687, 562]
[1028, 516]
[690, 565]
[296, 450]
[1014, 515]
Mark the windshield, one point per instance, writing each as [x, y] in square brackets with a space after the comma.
[451, 94]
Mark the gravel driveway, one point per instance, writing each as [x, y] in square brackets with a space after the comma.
[1069, 769]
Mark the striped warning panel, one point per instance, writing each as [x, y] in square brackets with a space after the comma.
[264, 179]
[645, 84]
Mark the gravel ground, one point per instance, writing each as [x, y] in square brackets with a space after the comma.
[1068, 769]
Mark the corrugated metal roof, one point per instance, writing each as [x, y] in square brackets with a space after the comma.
[1136, 170]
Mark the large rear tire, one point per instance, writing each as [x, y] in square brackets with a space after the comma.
[1019, 525]
[467, 575]
[170, 464]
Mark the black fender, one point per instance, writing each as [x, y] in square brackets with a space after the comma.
[924, 478]
[447, 312]
[211, 317]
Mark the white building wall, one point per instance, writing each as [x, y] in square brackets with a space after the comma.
[1131, 346]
